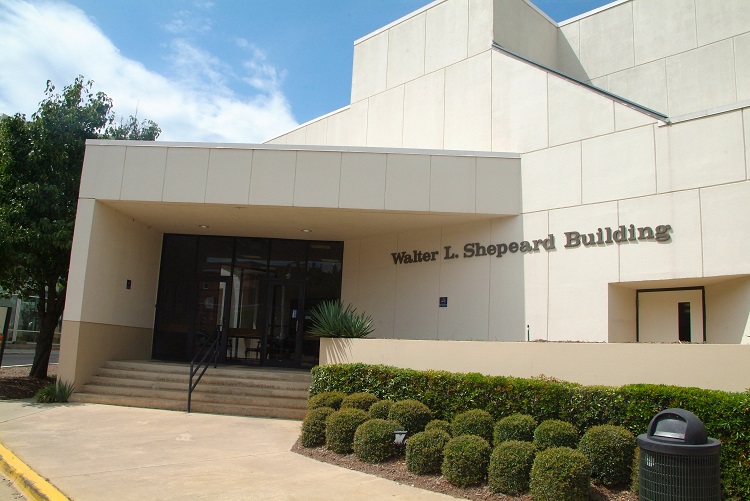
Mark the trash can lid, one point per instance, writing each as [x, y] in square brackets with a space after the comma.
[677, 426]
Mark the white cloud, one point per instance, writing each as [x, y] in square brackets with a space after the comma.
[57, 41]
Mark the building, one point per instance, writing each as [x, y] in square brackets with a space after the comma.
[497, 177]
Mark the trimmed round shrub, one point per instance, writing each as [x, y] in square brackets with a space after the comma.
[412, 414]
[438, 424]
[560, 474]
[359, 401]
[510, 467]
[340, 428]
[465, 460]
[424, 451]
[380, 409]
[330, 399]
[610, 451]
[635, 474]
[474, 422]
[314, 427]
[555, 433]
[373, 440]
[515, 427]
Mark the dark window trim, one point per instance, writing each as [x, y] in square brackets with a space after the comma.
[667, 289]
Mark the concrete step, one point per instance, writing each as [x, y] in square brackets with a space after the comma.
[199, 395]
[211, 377]
[242, 391]
[205, 386]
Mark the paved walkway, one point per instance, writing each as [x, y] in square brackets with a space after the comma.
[94, 452]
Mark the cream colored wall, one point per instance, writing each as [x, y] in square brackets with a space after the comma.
[109, 250]
[718, 367]
[658, 316]
[664, 54]
[87, 346]
[728, 312]
[103, 319]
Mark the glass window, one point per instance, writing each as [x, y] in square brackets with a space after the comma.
[288, 259]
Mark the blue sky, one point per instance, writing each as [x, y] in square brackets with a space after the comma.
[205, 70]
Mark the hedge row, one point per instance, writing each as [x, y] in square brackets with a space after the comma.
[726, 415]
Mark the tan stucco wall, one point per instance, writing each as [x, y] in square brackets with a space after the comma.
[103, 319]
[87, 346]
[719, 367]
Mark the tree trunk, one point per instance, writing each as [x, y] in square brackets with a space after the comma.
[49, 310]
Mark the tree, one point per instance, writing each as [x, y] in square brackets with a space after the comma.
[40, 173]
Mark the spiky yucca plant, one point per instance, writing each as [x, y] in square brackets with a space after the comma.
[332, 319]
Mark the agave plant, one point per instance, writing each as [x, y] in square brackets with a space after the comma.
[332, 319]
[58, 391]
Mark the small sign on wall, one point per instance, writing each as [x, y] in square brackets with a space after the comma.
[128, 284]
[443, 301]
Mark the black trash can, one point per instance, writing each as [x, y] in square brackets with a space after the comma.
[679, 462]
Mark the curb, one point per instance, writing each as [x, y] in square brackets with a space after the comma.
[27, 480]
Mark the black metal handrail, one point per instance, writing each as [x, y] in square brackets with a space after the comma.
[205, 360]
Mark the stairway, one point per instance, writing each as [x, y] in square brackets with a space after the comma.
[233, 390]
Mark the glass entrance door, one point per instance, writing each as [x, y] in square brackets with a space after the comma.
[282, 344]
[212, 315]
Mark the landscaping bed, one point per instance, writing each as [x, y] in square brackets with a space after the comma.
[396, 471]
[16, 384]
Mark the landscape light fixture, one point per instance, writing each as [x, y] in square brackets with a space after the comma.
[400, 437]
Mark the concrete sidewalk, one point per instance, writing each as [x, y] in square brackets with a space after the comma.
[94, 452]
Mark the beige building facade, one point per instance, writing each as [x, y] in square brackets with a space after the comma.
[497, 177]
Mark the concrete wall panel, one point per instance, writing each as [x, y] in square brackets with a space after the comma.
[727, 307]
[579, 276]
[620, 165]
[416, 305]
[498, 186]
[480, 26]
[369, 71]
[576, 112]
[468, 104]
[406, 51]
[229, 176]
[447, 34]
[362, 181]
[645, 84]
[143, 174]
[680, 256]
[186, 173]
[453, 184]
[663, 28]
[614, 25]
[721, 20]
[466, 316]
[424, 111]
[551, 178]
[519, 105]
[102, 172]
[725, 220]
[407, 183]
[689, 74]
[348, 127]
[700, 152]
[317, 179]
[272, 177]
[385, 119]
[716, 367]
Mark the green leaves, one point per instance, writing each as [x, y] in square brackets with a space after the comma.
[331, 319]
[41, 160]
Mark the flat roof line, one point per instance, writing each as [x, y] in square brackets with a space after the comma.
[630, 104]
[304, 147]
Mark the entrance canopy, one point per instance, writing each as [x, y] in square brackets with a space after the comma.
[281, 191]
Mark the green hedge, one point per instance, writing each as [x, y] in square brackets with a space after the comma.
[726, 415]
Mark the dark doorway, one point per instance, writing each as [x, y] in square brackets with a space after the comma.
[253, 294]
